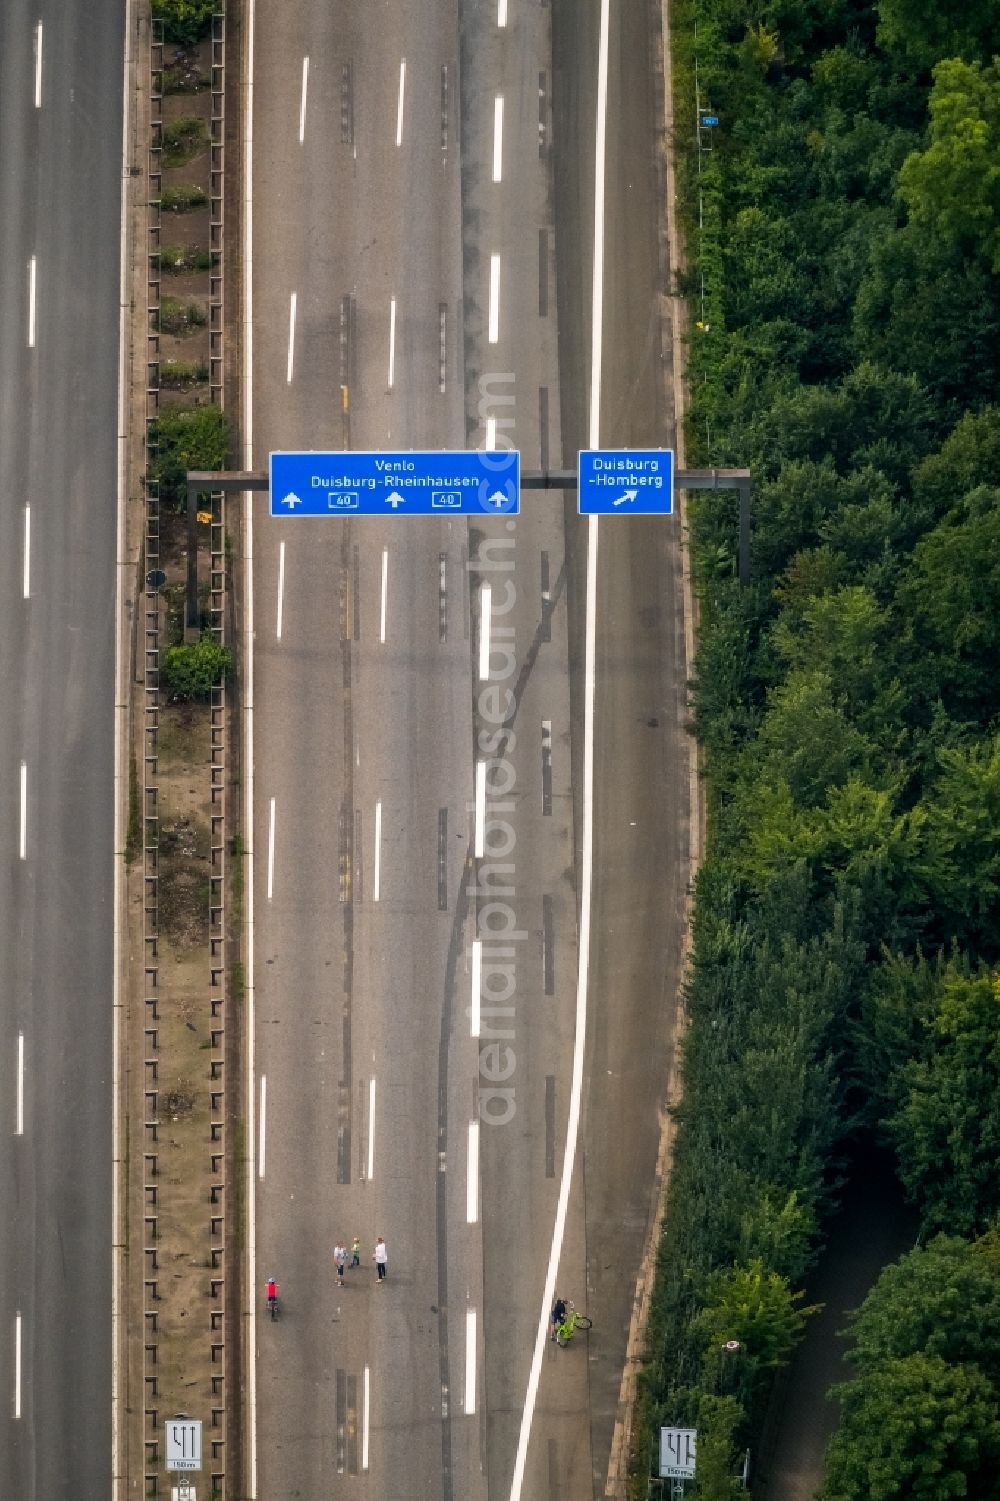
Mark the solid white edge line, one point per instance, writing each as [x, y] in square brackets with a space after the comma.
[475, 1006]
[302, 105]
[485, 630]
[470, 1362]
[366, 1404]
[26, 579]
[472, 1175]
[250, 1305]
[281, 588]
[262, 1129]
[292, 308]
[17, 1364]
[377, 878]
[480, 845]
[498, 138]
[587, 862]
[399, 105]
[270, 852]
[371, 1129]
[32, 280]
[23, 830]
[493, 334]
[392, 342]
[38, 65]
[385, 595]
[19, 1117]
[124, 575]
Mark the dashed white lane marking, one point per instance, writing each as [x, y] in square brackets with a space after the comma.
[384, 602]
[498, 138]
[17, 1365]
[371, 1129]
[262, 1129]
[270, 851]
[494, 316]
[392, 342]
[302, 104]
[472, 1175]
[38, 65]
[377, 879]
[501, 12]
[23, 830]
[470, 1361]
[19, 1117]
[475, 1004]
[485, 630]
[399, 104]
[491, 434]
[293, 304]
[26, 579]
[32, 285]
[281, 587]
[480, 844]
[366, 1404]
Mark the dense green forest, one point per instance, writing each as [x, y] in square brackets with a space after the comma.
[844, 988]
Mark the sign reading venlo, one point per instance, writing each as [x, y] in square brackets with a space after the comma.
[463, 482]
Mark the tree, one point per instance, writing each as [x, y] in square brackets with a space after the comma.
[185, 21]
[183, 439]
[943, 28]
[193, 670]
[756, 1307]
[915, 1428]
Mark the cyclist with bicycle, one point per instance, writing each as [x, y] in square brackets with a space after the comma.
[557, 1316]
[272, 1297]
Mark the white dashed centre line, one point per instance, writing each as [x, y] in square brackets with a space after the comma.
[270, 852]
[384, 605]
[38, 66]
[262, 1130]
[399, 106]
[501, 12]
[491, 433]
[494, 330]
[17, 1365]
[480, 845]
[392, 342]
[293, 304]
[498, 138]
[32, 281]
[281, 587]
[377, 880]
[302, 105]
[371, 1129]
[23, 833]
[366, 1404]
[477, 987]
[26, 580]
[19, 1126]
[472, 1175]
[470, 1361]
[485, 630]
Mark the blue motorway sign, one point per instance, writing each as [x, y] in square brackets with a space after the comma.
[709, 121]
[626, 482]
[467, 482]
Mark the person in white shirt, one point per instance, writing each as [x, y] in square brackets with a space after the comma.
[340, 1257]
[380, 1256]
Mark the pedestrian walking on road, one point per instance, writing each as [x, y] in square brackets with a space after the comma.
[355, 1252]
[340, 1257]
[380, 1256]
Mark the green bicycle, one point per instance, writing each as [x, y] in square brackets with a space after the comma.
[570, 1324]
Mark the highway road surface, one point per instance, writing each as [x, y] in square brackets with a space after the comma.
[418, 728]
[60, 187]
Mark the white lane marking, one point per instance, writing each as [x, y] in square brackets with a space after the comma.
[392, 341]
[32, 281]
[366, 1403]
[302, 104]
[477, 987]
[26, 580]
[19, 1126]
[250, 1303]
[485, 630]
[480, 809]
[270, 852]
[383, 606]
[17, 1365]
[587, 863]
[470, 1361]
[292, 308]
[38, 66]
[501, 12]
[377, 881]
[498, 138]
[494, 329]
[491, 433]
[399, 106]
[472, 1175]
[262, 1139]
[281, 586]
[371, 1129]
[23, 834]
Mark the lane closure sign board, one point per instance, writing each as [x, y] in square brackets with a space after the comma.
[626, 482]
[463, 482]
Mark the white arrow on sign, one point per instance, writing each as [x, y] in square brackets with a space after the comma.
[497, 499]
[629, 495]
[395, 499]
[292, 500]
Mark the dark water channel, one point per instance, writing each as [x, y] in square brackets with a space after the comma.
[872, 1227]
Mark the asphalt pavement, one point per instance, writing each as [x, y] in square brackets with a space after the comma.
[60, 185]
